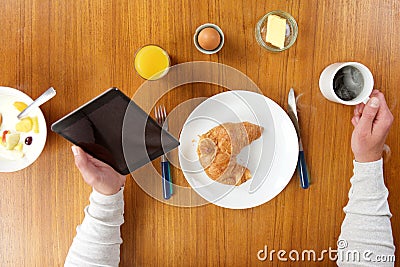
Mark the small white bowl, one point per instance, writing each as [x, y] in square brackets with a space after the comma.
[199, 29]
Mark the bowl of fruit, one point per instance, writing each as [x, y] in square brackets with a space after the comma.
[22, 140]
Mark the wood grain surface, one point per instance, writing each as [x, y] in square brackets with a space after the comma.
[83, 47]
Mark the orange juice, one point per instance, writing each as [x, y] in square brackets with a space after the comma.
[152, 62]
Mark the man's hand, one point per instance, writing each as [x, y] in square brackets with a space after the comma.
[371, 127]
[97, 174]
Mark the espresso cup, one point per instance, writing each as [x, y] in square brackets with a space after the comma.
[327, 80]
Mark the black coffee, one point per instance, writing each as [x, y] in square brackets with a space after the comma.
[348, 83]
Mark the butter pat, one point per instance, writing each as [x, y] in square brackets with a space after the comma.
[276, 29]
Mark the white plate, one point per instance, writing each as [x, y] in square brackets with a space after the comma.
[7, 97]
[276, 150]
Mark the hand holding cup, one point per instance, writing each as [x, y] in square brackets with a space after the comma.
[372, 122]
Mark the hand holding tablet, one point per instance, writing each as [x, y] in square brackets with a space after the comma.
[113, 129]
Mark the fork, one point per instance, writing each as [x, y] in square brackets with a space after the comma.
[161, 117]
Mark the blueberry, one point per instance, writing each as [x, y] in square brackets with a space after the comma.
[28, 140]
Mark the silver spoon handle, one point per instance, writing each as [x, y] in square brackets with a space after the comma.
[46, 96]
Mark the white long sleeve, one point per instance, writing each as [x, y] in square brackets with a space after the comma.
[366, 234]
[98, 238]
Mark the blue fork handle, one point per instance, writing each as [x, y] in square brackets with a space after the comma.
[302, 168]
[166, 180]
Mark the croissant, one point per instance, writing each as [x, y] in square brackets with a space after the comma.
[218, 148]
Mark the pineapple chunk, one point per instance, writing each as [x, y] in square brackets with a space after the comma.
[19, 147]
[35, 123]
[25, 125]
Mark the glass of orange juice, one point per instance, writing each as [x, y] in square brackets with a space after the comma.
[152, 62]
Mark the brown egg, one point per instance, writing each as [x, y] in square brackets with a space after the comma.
[209, 38]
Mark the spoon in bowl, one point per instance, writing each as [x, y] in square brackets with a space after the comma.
[46, 96]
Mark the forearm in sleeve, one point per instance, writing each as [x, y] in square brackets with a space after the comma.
[98, 238]
[366, 233]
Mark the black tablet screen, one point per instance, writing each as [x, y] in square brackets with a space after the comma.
[113, 129]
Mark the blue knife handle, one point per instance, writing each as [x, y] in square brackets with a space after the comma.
[166, 180]
[302, 167]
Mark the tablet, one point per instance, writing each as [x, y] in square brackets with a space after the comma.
[113, 129]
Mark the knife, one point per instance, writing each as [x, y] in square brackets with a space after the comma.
[301, 163]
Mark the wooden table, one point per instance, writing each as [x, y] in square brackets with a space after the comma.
[84, 47]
